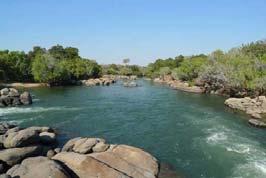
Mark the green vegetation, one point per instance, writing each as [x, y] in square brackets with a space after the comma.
[240, 71]
[116, 69]
[57, 65]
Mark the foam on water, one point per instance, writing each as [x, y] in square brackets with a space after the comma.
[239, 148]
[252, 154]
[35, 100]
[19, 110]
[216, 137]
[256, 169]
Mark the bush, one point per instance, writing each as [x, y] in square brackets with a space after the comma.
[189, 69]
[164, 71]
[214, 75]
[46, 68]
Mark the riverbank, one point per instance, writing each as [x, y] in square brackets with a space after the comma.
[179, 85]
[33, 152]
[24, 85]
[254, 107]
[105, 80]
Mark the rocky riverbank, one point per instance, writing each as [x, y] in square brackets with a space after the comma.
[179, 85]
[11, 97]
[107, 80]
[32, 152]
[98, 81]
[255, 107]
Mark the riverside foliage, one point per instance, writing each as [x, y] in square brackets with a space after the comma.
[57, 65]
[241, 69]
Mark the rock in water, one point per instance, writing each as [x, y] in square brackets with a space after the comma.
[23, 151]
[4, 92]
[26, 98]
[130, 84]
[21, 138]
[13, 92]
[254, 107]
[11, 97]
[38, 167]
[118, 161]
[257, 123]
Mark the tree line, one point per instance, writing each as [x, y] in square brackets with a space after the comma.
[239, 70]
[56, 65]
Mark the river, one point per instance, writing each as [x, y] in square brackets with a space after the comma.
[196, 134]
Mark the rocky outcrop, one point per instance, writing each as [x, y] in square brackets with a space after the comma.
[82, 145]
[85, 166]
[18, 144]
[179, 85]
[31, 152]
[11, 97]
[118, 161]
[255, 107]
[130, 84]
[98, 81]
[14, 156]
[121, 77]
[38, 167]
[257, 123]
[4, 127]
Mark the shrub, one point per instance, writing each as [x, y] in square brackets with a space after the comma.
[189, 68]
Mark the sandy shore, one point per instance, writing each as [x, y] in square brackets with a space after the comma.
[24, 85]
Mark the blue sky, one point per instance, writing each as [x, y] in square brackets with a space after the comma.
[142, 30]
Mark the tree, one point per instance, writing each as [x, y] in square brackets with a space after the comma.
[189, 69]
[46, 68]
[57, 52]
[126, 61]
[71, 53]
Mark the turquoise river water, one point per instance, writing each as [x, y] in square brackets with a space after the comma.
[196, 134]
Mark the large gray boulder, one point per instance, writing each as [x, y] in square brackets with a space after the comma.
[118, 161]
[13, 92]
[21, 138]
[14, 156]
[256, 107]
[257, 123]
[6, 101]
[81, 145]
[5, 127]
[5, 176]
[47, 137]
[85, 166]
[26, 98]
[38, 167]
[11, 97]
[4, 92]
